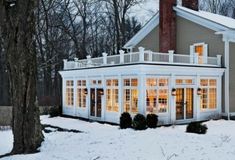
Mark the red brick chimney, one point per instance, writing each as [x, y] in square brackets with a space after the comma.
[191, 4]
[167, 31]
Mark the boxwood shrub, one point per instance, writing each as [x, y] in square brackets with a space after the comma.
[139, 122]
[152, 120]
[196, 127]
[125, 120]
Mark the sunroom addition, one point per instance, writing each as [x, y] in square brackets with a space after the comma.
[178, 90]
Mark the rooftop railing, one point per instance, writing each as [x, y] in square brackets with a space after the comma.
[143, 56]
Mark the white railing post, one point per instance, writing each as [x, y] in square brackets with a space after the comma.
[89, 62]
[196, 58]
[171, 56]
[76, 62]
[191, 56]
[65, 63]
[141, 54]
[219, 57]
[121, 56]
[104, 58]
[150, 56]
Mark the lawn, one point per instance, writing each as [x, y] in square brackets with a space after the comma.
[107, 142]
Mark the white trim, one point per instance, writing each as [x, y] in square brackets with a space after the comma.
[200, 20]
[154, 22]
[205, 50]
[226, 50]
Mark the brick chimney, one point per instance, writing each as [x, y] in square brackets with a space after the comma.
[167, 33]
[191, 4]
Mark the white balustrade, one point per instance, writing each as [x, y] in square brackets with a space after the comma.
[143, 56]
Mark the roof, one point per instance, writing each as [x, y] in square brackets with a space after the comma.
[215, 22]
[216, 18]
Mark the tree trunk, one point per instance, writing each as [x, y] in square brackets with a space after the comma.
[17, 20]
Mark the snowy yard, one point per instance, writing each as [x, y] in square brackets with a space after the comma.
[106, 142]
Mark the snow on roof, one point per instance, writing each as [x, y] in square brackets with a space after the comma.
[223, 20]
[216, 22]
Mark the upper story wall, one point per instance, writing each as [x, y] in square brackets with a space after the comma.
[188, 33]
[232, 77]
[151, 41]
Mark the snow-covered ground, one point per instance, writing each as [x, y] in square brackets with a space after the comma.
[106, 142]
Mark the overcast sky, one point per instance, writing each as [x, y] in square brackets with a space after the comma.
[145, 11]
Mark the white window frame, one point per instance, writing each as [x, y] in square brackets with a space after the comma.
[66, 98]
[112, 87]
[81, 87]
[205, 51]
[208, 98]
[158, 88]
[130, 88]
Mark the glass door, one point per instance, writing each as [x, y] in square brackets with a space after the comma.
[179, 103]
[96, 102]
[99, 93]
[189, 103]
[92, 102]
[184, 103]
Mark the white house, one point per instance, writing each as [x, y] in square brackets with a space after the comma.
[179, 88]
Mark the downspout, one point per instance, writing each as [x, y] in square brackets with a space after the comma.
[226, 45]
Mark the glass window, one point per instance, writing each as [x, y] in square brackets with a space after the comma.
[131, 95]
[69, 95]
[199, 50]
[157, 95]
[112, 95]
[81, 93]
[184, 81]
[209, 93]
[151, 82]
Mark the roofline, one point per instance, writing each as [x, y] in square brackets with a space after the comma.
[143, 32]
[200, 20]
[156, 64]
[154, 22]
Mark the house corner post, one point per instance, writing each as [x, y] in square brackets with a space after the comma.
[141, 50]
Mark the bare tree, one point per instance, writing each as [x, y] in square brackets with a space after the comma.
[17, 20]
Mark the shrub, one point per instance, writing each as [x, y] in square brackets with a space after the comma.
[139, 122]
[54, 112]
[125, 120]
[196, 127]
[152, 120]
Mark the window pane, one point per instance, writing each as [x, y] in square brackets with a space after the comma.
[163, 82]
[134, 100]
[204, 82]
[126, 100]
[163, 100]
[151, 82]
[151, 101]
[108, 100]
[204, 98]
[99, 82]
[213, 99]
[115, 82]
[79, 83]
[126, 82]
[134, 82]
[179, 81]
[212, 82]
[83, 82]
[108, 82]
